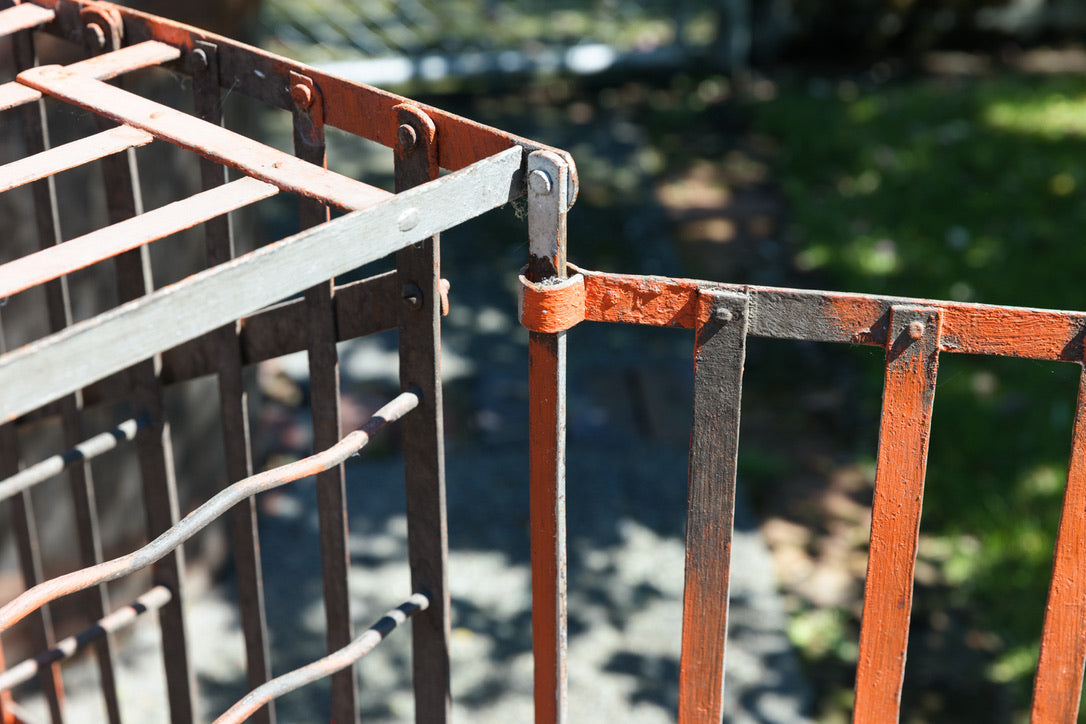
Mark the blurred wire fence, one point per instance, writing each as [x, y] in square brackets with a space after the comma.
[394, 41]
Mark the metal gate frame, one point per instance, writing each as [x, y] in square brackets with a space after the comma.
[231, 315]
[913, 333]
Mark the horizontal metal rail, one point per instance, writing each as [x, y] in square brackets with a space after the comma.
[197, 520]
[211, 141]
[55, 261]
[23, 17]
[153, 600]
[62, 363]
[86, 450]
[821, 316]
[70, 155]
[336, 661]
[101, 67]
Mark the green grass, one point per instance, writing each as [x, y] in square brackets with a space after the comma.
[967, 190]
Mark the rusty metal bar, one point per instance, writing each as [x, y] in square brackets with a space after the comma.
[1057, 688]
[58, 307]
[719, 356]
[70, 360]
[55, 465]
[207, 139]
[23, 17]
[327, 666]
[912, 361]
[419, 269]
[233, 399]
[547, 208]
[70, 155]
[41, 594]
[66, 648]
[101, 67]
[123, 236]
[309, 145]
[353, 107]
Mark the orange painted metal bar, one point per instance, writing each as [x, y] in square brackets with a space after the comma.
[56, 261]
[912, 359]
[547, 205]
[23, 17]
[70, 155]
[207, 139]
[719, 354]
[101, 67]
[821, 316]
[1057, 688]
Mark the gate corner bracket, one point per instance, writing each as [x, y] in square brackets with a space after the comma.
[553, 306]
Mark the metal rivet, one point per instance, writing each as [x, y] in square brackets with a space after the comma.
[723, 315]
[301, 95]
[407, 137]
[916, 329]
[96, 37]
[540, 181]
[199, 59]
[412, 296]
[408, 220]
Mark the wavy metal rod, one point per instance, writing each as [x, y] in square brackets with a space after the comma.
[200, 518]
[327, 666]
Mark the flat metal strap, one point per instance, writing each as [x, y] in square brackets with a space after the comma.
[70, 155]
[207, 139]
[67, 361]
[56, 261]
[102, 67]
[912, 361]
[23, 17]
[1057, 688]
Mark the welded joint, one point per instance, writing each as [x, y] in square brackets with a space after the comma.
[911, 324]
[719, 308]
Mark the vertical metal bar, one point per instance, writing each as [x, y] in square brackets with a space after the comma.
[26, 542]
[548, 204]
[419, 268]
[80, 480]
[719, 355]
[1057, 688]
[154, 446]
[324, 405]
[245, 537]
[912, 361]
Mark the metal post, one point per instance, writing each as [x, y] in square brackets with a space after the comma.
[548, 204]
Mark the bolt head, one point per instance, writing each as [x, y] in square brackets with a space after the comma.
[407, 137]
[199, 59]
[301, 95]
[539, 181]
[96, 37]
[916, 329]
[723, 315]
[412, 296]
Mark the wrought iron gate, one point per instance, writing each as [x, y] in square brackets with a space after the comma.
[914, 332]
